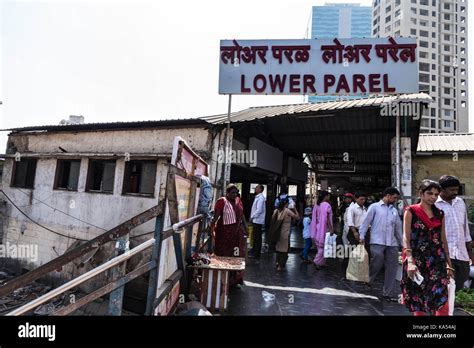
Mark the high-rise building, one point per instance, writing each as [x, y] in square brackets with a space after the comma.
[341, 21]
[441, 30]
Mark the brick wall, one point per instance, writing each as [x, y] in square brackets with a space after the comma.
[432, 167]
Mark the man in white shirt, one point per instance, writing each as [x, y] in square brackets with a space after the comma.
[457, 228]
[257, 218]
[343, 209]
[354, 217]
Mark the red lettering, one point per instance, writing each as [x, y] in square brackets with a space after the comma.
[329, 81]
[342, 84]
[309, 81]
[386, 87]
[243, 89]
[374, 82]
[294, 82]
[277, 82]
[358, 83]
[255, 83]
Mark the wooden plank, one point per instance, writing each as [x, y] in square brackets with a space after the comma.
[116, 296]
[182, 173]
[93, 244]
[106, 289]
[214, 289]
[172, 199]
[227, 276]
[203, 286]
[191, 208]
[178, 249]
[155, 257]
[209, 288]
[167, 287]
[223, 289]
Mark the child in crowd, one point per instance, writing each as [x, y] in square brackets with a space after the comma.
[306, 234]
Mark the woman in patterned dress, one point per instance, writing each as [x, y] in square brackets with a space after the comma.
[228, 229]
[426, 251]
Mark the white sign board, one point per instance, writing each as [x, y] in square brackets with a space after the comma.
[319, 66]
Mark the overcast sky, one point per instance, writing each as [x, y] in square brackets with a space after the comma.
[132, 60]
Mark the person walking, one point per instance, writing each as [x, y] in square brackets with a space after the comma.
[385, 239]
[343, 209]
[306, 235]
[356, 214]
[457, 228]
[257, 218]
[426, 254]
[227, 229]
[321, 222]
[279, 231]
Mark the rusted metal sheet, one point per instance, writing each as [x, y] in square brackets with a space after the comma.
[262, 112]
[60, 261]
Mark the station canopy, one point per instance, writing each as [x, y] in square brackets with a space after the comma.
[331, 129]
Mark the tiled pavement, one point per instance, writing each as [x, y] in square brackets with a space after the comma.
[300, 289]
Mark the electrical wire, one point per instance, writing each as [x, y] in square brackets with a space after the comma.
[37, 223]
[63, 212]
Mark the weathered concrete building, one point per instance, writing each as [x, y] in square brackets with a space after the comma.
[68, 183]
[81, 180]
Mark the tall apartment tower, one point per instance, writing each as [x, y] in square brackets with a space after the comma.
[440, 27]
[342, 21]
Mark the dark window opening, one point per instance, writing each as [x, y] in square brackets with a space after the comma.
[24, 173]
[67, 174]
[139, 177]
[101, 176]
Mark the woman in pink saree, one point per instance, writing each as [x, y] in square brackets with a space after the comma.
[320, 224]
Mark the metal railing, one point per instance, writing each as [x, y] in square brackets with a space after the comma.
[154, 295]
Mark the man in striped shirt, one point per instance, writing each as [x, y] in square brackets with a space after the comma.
[457, 228]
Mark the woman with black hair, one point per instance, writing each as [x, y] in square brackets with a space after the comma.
[321, 223]
[426, 254]
[279, 231]
[228, 229]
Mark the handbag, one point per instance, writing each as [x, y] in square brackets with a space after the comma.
[451, 295]
[358, 267]
[274, 231]
[330, 246]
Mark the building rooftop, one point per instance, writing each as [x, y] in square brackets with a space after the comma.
[326, 107]
[446, 142]
[112, 125]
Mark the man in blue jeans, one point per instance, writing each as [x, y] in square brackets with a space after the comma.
[386, 236]
[307, 235]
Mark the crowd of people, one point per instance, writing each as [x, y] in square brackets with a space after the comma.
[432, 234]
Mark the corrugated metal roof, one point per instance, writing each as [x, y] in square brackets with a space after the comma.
[278, 110]
[112, 125]
[441, 142]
